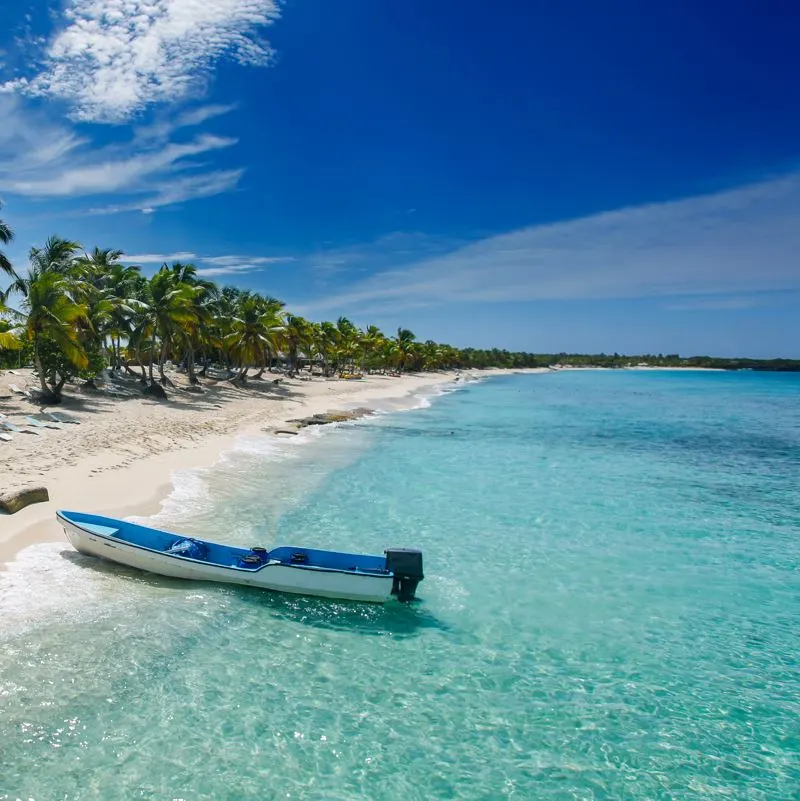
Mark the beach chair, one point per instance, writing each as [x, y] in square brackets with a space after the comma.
[60, 418]
[16, 429]
[42, 423]
[23, 392]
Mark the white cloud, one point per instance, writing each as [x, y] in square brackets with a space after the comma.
[231, 269]
[235, 265]
[39, 159]
[221, 265]
[115, 172]
[164, 127]
[178, 190]
[231, 261]
[158, 258]
[113, 58]
[741, 240]
[716, 304]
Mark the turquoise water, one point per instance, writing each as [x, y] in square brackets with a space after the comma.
[611, 610]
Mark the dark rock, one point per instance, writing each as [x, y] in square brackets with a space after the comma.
[156, 391]
[15, 500]
[332, 417]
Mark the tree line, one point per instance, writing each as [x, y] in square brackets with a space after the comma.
[81, 312]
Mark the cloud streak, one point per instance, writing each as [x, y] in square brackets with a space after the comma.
[220, 265]
[158, 258]
[42, 160]
[741, 240]
[231, 269]
[113, 58]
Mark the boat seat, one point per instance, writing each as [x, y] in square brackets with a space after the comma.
[96, 528]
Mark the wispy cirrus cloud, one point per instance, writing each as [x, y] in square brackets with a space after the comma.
[220, 265]
[44, 160]
[236, 265]
[231, 269]
[113, 58]
[230, 261]
[158, 258]
[105, 174]
[717, 304]
[738, 241]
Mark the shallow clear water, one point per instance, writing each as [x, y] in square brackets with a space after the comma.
[611, 610]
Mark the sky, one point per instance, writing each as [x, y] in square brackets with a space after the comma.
[573, 176]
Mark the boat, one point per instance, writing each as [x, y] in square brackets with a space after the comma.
[302, 571]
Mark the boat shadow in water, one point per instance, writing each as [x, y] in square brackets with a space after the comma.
[396, 619]
[392, 618]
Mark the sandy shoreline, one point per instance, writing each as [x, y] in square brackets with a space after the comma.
[121, 457]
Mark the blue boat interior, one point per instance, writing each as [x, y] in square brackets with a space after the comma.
[224, 555]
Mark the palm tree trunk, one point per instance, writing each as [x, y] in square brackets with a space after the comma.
[152, 357]
[263, 364]
[190, 366]
[42, 381]
[141, 363]
[161, 356]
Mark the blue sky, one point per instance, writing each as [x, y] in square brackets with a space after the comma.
[576, 176]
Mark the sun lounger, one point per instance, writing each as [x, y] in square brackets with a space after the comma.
[60, 418]
[23, 392]
[42, 423]
[16, 429]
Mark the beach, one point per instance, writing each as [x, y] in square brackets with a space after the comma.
[120, 457]
[609, 600]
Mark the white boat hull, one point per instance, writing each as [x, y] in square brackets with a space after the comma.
[279, 577]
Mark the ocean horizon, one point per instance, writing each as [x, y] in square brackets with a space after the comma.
[611, 609]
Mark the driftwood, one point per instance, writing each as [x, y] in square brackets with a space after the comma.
[15, 500]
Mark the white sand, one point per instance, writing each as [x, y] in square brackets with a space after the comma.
[120, 458]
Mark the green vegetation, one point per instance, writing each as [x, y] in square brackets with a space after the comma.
[81, 312]
[503, 358]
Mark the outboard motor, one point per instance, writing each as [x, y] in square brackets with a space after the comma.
[406, 565]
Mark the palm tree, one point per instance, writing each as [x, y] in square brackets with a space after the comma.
[201, 296]
[296, 335]
[326, 336]
[6, 235]
[404, 341]
[252, 338]
[57, 256]
[121, 283]
[165, 311]
[370, 341]
[348, 342]
[9, 332]
[273, 326]
[53, 322]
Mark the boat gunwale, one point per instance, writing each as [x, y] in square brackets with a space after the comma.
[244, 570]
